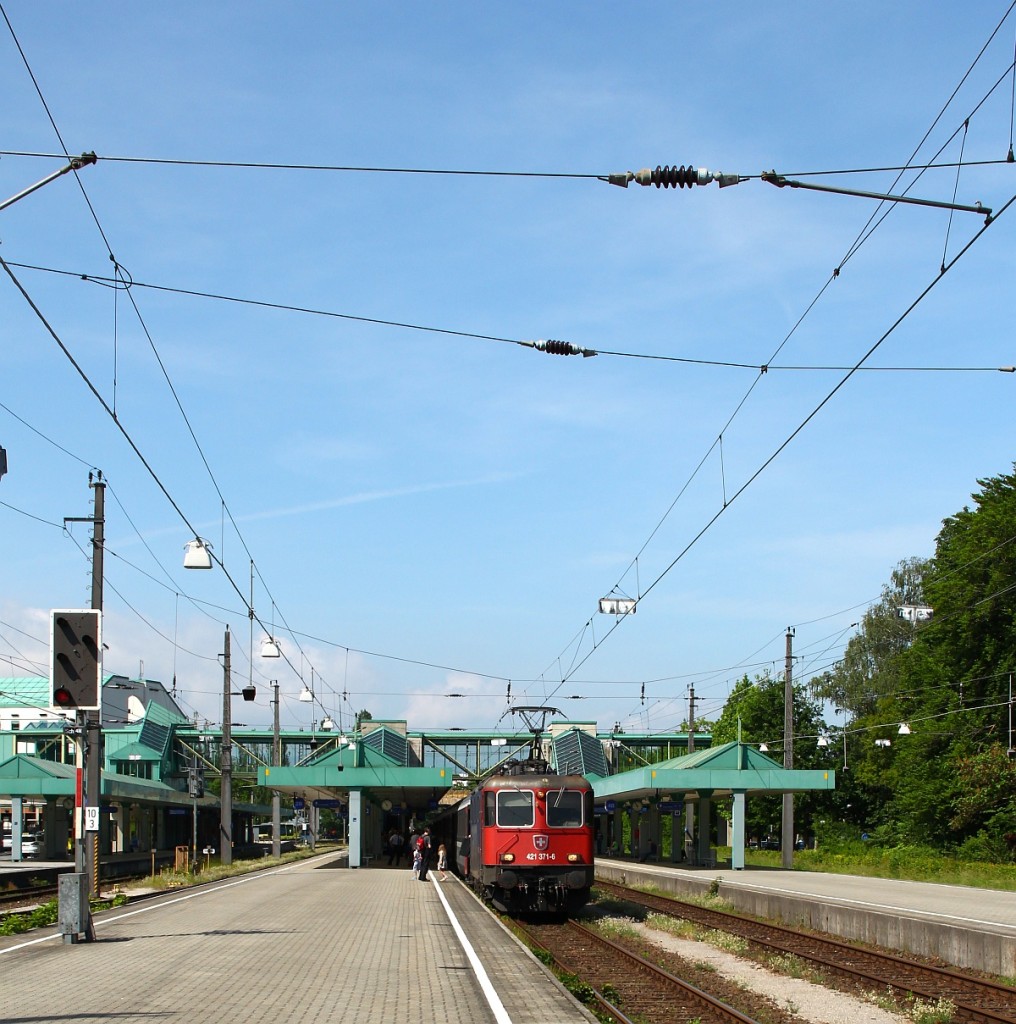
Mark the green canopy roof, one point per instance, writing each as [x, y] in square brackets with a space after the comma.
[716, 771]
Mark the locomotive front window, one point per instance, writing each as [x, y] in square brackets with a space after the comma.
[564, 808]
[515, 808]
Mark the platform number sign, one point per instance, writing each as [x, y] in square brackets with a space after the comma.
[91, 819]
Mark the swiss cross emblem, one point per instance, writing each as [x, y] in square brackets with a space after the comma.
[541, 842]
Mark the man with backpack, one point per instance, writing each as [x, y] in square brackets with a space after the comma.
[423, 845]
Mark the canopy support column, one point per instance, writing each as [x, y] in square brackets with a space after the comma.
[737, 838]
[355, 827]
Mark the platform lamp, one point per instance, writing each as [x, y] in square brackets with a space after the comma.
[197, 554]
[618, 606]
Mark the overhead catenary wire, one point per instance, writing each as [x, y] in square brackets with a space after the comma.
[459, 172]
[866, 232]
[797, 430]
[760, 368]
[841, 368]
[123, 282]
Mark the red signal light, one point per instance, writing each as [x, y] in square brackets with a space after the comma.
[62, 697]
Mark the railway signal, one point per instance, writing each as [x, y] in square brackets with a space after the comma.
[76, 659]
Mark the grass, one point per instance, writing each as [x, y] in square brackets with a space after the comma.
[920, 1011]
[908, 863]
[213, 870]
[46, 914]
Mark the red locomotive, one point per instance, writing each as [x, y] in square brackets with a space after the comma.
[524, 839]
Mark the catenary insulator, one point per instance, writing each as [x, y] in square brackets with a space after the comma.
[561, 348]
[674, 177]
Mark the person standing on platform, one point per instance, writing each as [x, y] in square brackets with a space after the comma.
[442, 862]
[411, 844]
[417, 863]
[395, 842]
[423, 842]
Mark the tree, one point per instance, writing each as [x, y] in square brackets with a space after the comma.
[870, 663]
[946, 782]
[755, 711]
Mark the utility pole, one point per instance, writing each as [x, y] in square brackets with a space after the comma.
[689, 808]
[787, 828]
[226, 764]
[276, 763]
[89, 723]
[93, 724]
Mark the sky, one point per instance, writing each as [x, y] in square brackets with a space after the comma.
[414, 503]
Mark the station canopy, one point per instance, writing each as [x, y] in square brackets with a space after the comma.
[714, 772]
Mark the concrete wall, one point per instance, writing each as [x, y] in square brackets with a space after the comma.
[964, 947]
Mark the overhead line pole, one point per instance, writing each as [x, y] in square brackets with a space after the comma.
[787, 827]
[93, 719]
[276, 762]
[226, 763]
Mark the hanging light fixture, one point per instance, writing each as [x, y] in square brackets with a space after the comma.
[823, 741]
[327, 724]
[764, 748]
[307, 694]
[270, 648]
[904, 729]
[197, 554]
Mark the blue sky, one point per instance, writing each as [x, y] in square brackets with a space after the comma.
[434, 513]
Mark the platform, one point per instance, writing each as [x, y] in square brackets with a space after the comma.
[961, 925]
[305, 942]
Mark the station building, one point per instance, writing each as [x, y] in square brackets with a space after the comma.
[354, 785]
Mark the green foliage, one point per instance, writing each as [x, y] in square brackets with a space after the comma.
[581, 990]
[756, 708]
[39, 917]
[950, 783]
[871, 663]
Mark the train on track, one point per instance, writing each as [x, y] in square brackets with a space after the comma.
[524, 838]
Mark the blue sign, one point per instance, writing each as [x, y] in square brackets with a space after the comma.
[611, 806]
[670, 805]
[328, 803]
[299, 803]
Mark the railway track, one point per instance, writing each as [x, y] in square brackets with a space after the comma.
[627, 985]
[17, 899]
[976, 1000]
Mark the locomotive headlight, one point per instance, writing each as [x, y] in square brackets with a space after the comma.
[573, 858]
[507, 858]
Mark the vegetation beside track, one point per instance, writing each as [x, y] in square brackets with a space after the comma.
[906, 863]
